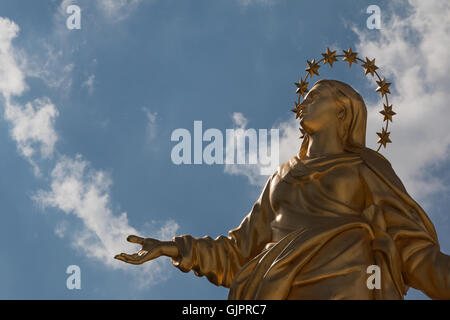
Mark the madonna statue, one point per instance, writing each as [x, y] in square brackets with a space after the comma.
[322, 219]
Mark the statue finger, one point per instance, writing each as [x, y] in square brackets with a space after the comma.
[130, 258]
[135, 239]
[119, 257]
[133, 256]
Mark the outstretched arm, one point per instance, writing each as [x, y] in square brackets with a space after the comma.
[218, 259]
[221, 258]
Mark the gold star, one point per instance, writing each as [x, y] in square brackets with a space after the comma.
[384, 137]
[302, 132]
[350, 56]
[312, 68]
[296, 109]
[383, 87]
[329, 57]
[370, 66]
[302, 87]
[387, 113]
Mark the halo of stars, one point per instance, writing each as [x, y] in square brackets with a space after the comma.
[329, 57]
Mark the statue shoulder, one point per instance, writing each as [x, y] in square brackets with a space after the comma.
[287, 166]
[297, 170]
[378, 164]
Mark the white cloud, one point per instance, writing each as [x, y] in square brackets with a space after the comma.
[63, 6]
[89, 83]
[289, 139]
[76, 189]
[152, 127]
[167, 231]
[11, 77]
[52, 66]
[239, 120]
[287, 147]
[413, 52]
[251, 171]
[61, 229]
[33, 125]
[117, 9]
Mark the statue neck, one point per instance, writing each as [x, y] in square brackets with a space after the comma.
[324, 142]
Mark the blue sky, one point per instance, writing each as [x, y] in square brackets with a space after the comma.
[89, 158]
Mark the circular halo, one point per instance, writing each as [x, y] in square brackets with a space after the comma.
[329, 57]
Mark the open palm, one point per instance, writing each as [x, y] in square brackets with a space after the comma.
[151, 249]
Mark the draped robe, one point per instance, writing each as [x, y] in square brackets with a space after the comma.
[316, 228]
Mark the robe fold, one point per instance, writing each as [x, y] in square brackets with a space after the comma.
[316, 228]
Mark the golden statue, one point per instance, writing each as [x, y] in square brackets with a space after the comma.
[323, 218]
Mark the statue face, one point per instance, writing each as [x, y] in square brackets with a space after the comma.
[318, 109]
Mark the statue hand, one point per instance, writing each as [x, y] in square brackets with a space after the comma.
[151, 249]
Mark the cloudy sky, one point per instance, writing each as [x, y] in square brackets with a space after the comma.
[86, 118]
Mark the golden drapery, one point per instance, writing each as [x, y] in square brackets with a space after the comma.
[305, 239]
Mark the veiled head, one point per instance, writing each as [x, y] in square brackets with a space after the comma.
[335, 103]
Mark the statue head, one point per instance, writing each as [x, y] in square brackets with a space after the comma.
[334, 104]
